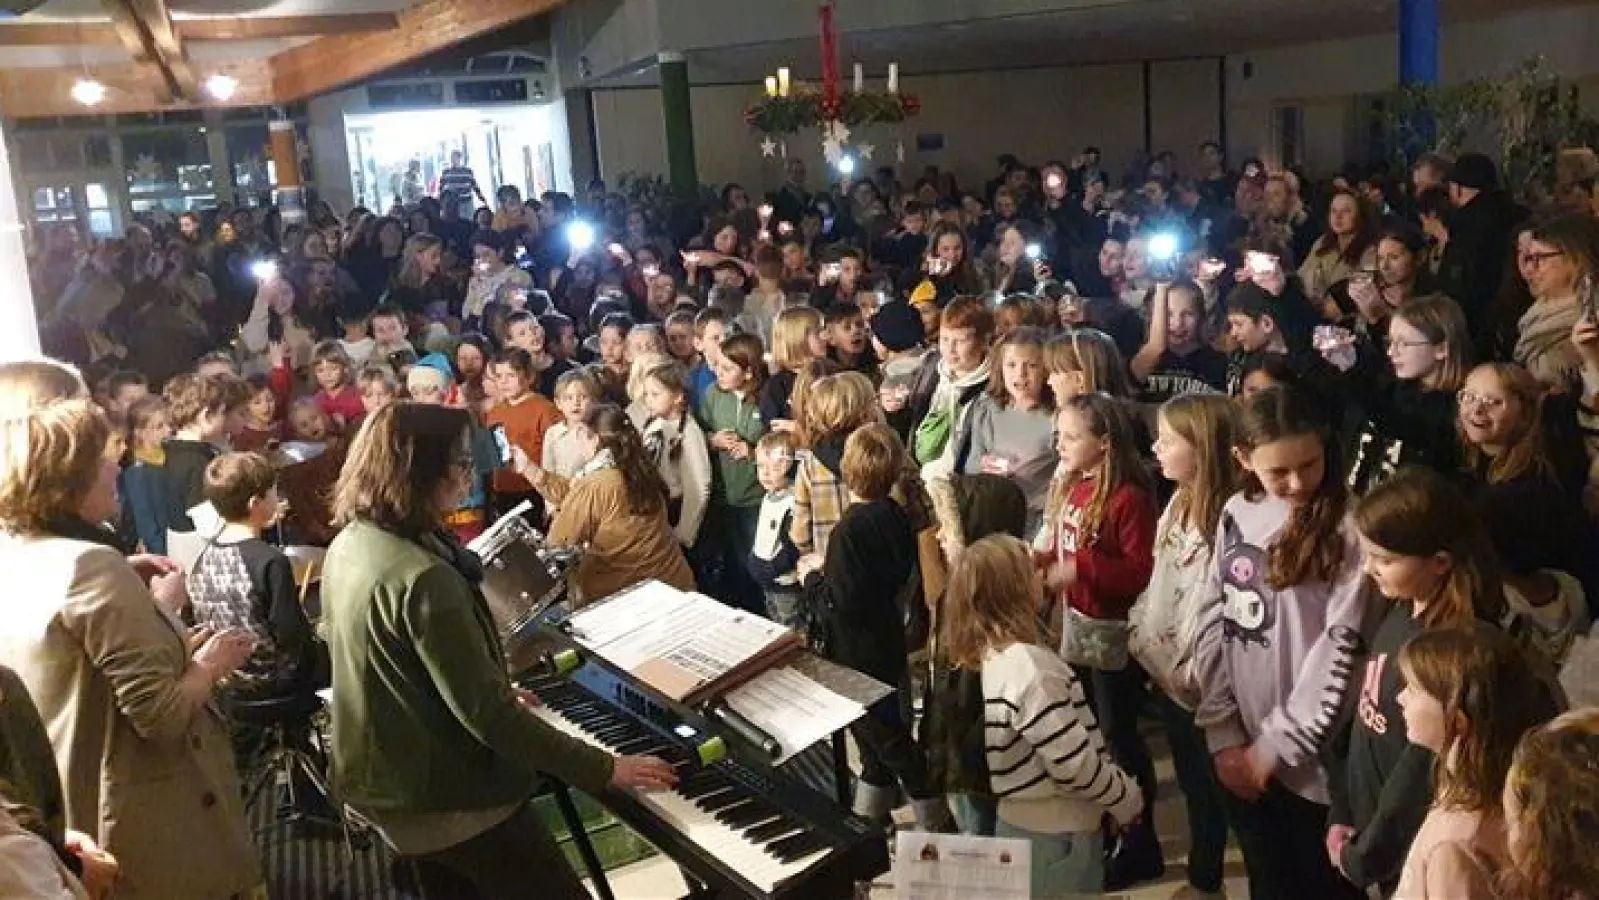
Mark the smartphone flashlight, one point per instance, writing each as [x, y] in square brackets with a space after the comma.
[580, 235]
[616, 249]
[264, 269]
[846, 165]
[1260, 263]
[764, 211]
[1035, 251]
[1163, 246]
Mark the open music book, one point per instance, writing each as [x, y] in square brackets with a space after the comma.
[686, 646]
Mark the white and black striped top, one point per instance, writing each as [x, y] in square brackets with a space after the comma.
[1047, 762]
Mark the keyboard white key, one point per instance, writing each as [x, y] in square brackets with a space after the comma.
[749, 859]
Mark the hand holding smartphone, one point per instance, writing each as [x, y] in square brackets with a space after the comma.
[503, 444]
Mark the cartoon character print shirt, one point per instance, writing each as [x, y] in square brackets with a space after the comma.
[1277, 665]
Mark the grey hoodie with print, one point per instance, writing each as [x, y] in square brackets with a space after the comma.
[1276, 666]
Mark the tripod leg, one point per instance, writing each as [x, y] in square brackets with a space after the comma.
[580, 837]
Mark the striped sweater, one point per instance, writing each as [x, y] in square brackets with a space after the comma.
[1047, 763]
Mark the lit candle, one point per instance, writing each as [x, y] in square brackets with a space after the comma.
[893, 78]
[782, 82]
[771, 85]
[860, 78]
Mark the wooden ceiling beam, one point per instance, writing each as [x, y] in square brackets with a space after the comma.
[101, 34]
[433, 25]
[50, 34]
[130, 88]
[157, 20]
[255, 28]
[145, 28]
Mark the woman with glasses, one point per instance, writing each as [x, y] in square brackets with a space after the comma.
[431, 740]
[1558, 262]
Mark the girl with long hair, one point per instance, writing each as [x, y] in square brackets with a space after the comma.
[1520, 485]
[1470, 694]
[674, 439]
[419, 286]
[1427, 552]
[1195, 436]
[1047, 762]
[616, 505]
[1347, 246]
[948, 266]
[1010, 429]
[1097, 549]
[1285, 615]
[1550, 796]
[1408, 406]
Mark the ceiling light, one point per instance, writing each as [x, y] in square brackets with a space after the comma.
[221, 86]
[88, 91]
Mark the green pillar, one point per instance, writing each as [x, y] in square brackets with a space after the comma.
[679, 116]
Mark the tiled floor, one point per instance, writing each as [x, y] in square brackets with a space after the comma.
[658, 879]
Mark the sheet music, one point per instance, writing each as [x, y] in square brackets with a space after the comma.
[793, 709]
[958, 867]
[674, 640]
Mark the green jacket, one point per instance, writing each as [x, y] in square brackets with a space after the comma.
[425, 718]
[736, 482]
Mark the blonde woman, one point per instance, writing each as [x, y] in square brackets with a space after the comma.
[145, 762]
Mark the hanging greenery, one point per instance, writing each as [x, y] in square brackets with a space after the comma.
[803, 109]
[1526, 118]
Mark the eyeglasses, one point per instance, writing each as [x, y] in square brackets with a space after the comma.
[1473, 400]
[1393, 344]
[1538, 259]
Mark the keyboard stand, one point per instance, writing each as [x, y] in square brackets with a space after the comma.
[580, 837]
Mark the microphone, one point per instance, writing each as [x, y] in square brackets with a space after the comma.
[744, 728]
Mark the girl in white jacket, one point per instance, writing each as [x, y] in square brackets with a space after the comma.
[1194, 443]
[677, 443]
[1047, 763]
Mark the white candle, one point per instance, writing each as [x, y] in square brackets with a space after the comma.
[893, 78]
[771, 85]
[860, 78]
[782, 82]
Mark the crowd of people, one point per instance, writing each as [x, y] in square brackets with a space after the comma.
[1308, 471]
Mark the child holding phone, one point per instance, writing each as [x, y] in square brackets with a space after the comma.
[522, 418]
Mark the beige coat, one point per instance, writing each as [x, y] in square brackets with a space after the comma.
[145, 770]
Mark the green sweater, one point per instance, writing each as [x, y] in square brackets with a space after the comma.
[425, 718]
[736, 482]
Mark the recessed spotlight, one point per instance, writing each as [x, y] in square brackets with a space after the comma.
[221, 86]
[88, 91]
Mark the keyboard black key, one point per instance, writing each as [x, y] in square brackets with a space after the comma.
[771, 830]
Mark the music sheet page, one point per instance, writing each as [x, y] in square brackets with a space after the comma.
[795, 710]
[959, 867]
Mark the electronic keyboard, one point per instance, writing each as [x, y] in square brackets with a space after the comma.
[739, 827]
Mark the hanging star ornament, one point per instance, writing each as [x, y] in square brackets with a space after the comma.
[768, 147]
[865, 151]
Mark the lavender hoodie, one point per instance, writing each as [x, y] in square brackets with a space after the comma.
[1275, 667]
